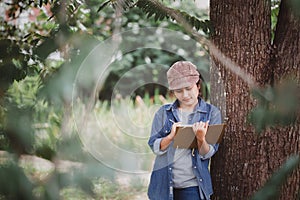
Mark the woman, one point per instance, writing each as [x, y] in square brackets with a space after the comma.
[182, 174]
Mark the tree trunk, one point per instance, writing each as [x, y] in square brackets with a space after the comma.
[245, 159]
[285, 61]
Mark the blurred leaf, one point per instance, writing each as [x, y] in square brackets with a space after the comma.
[271, 190]
[103, 5]
[45, 150]
[161, 12]
[58, 86]
[14, 184]
[276, 106]
[48, 46]
[18, 129]
[122, 5]
[13, 63]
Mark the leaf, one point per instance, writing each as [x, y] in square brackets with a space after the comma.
[272, 108]
[153, 8]
[161, 12]
[271, 189]
[14, 183]
[124, 5]
[48, 46]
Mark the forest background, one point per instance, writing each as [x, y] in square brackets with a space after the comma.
[72, 71]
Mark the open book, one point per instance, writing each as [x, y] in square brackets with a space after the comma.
[185, 136]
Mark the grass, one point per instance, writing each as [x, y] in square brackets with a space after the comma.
[114, 149]
[110, 140]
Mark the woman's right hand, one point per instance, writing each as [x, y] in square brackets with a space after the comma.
[166, 141]
[173, 130]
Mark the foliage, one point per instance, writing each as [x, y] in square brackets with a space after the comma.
[17, 186]
[88, 182]
[160, 12]
[38, 64]
[271, 188]
[12, 65]
[274, 16]
[278, 106]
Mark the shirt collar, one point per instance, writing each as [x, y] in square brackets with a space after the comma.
[200, 107]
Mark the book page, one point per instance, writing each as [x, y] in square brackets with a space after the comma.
[185, 136]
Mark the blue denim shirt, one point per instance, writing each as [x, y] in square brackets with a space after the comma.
[161, 185]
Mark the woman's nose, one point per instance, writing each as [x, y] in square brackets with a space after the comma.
[185, 93]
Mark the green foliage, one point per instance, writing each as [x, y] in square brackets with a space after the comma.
[121, 5]
[271, 189]
[277, 106]
[111, 190]
[83, 182]
[23, 92]
[274, 16]
[38, 64]
[161, 12]
[14, 183]
[17, 128]
[12, 63]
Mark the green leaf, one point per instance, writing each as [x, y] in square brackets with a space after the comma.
[14, 183]
[48, 46]
[103, 5]
[271, 189]
[161, 12]
[272, 108]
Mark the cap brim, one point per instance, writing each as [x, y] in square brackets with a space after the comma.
[183, 82]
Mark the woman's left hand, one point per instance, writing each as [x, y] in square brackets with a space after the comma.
[200, 129]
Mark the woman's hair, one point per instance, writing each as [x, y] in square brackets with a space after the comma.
[203, 91]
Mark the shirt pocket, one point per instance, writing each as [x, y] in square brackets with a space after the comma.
[203, 116]
[166, 129]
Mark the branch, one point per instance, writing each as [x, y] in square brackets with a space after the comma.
[154, 6]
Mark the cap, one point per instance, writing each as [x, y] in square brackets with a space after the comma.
[182, 74]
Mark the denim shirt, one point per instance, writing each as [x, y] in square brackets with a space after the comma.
[161, 185]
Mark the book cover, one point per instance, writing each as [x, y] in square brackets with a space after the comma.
[185, 136]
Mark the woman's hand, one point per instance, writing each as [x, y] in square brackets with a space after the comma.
[166, 141]
[200, 129]
[173, 130]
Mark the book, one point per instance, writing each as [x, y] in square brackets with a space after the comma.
[185, 136]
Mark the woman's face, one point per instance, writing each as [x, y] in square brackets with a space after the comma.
[188, 96]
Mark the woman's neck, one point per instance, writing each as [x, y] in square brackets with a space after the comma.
[185, 108]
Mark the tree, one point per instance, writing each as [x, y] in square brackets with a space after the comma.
[242, 31]
[260, 73]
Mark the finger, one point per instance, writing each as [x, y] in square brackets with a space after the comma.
[206, 124]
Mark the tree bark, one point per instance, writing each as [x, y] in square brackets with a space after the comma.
[242, 31]
[282, 142]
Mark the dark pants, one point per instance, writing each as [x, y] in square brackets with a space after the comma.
[190, 193]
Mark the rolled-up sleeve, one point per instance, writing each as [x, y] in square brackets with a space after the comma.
[209, 154]
[156, 147]
[155, 138]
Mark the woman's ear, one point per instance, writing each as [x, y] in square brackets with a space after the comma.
[199, 86]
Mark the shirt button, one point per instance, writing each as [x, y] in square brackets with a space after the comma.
[195, 167]
[170, 168]
[200, 179]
